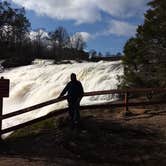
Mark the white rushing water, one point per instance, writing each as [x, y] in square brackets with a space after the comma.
[44, 81]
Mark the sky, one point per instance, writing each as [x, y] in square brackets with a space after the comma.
[105, 25]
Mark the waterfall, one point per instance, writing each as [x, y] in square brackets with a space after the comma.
[43, 81]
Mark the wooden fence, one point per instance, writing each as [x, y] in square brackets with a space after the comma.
[123, 103]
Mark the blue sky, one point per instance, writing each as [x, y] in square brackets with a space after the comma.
[105, 24]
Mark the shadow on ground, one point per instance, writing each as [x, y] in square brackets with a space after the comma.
[97, 141]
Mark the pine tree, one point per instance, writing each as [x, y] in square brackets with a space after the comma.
[145, 54]
[14, 27]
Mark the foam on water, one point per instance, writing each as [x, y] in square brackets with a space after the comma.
[44, 80]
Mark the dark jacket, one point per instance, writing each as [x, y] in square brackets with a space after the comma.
[74, 91]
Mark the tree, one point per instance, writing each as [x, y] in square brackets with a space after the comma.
[20, 26]
[14, 27]
[118, 54]
[100, 54]
[39, 40]
[60, 37]
[145, 54]
[77, 42]
[13, 23]
[19, 47]
[92, 53]
[107, 54]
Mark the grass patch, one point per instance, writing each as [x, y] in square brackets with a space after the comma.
[35, 129]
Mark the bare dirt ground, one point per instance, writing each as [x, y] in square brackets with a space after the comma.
[105, 137]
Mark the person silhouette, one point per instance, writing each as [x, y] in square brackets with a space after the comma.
[75, 91]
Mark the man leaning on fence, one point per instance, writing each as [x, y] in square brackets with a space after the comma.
[74, 90]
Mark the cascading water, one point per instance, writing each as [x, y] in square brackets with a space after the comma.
[43, 81]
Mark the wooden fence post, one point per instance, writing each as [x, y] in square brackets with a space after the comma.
[126, 109]
[1, 109]
[4, 92]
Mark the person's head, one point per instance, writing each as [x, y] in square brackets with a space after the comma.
[73, 77]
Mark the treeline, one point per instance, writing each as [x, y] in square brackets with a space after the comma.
[19, 47]
[145, 54]
[58, 45]
[14, 28]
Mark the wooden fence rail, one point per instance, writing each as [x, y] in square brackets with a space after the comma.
[124, 104]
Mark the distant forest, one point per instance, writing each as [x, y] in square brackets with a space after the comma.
[18, 48]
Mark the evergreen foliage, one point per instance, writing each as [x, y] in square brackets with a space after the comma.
[14, 28]
[145, 54]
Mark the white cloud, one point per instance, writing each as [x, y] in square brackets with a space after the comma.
[85, 35]
[79, 10]
[123, 8]
[118, 28]
[78, 39]
[121, 28]
[84, 11]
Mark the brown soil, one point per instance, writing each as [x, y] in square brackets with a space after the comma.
[106, 138]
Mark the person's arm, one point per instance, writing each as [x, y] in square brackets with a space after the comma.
[81, 91]
[64, 90]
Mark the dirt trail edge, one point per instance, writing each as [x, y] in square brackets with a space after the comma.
[104, 137]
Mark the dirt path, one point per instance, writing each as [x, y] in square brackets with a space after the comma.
[104, 139]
